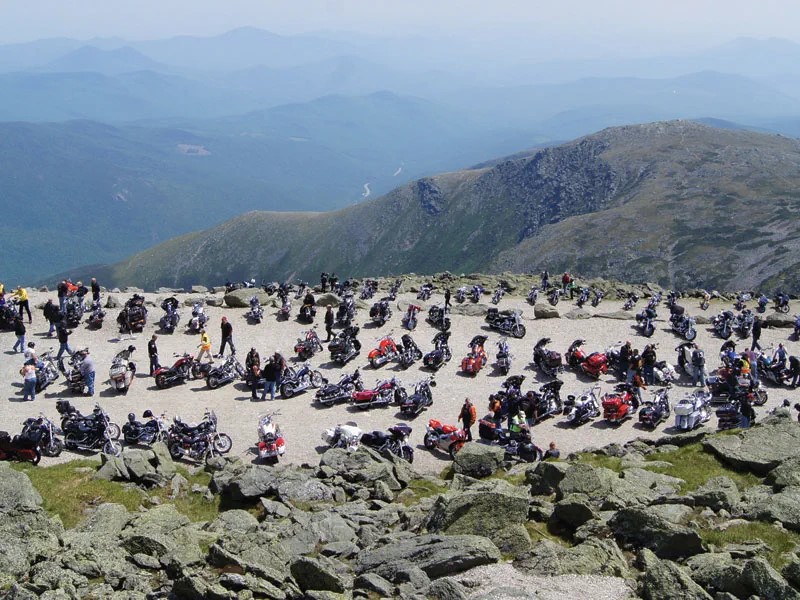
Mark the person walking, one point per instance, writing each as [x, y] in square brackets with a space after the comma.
[794, 370]
[95, 290]
[639, 384]
[205, 346]
[446, 298]
[21, 294]
[468, 416]
[63, 340]
[698, 367]
[756, 333]
[227, 337]
[329, 323]
[28, 372]
[88, 372]
[52, 314]
[152, 352]
[19, 331]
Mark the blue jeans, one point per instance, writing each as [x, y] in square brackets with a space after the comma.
[29, 389]
[52, 328]
[20, 342]
[698, 374]
[629, 376]
[227, 340]
[64, 347]
[270, 386]
[62, 304]
[745, 422]
[90, 383]
[649, 376]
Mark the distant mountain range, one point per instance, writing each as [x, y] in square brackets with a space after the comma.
[676, 202]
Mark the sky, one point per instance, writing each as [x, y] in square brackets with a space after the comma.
[604, 27]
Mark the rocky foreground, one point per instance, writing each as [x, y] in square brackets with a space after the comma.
[363, 526]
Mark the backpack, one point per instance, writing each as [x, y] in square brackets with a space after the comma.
[698, 358]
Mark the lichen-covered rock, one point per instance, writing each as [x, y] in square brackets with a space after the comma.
[758, 449]
[717, 493]
[584, 479]
[765, 582]
[241, 298]
[783, 506]
[665, 580]
[545, 477]
[545, 311]
[592, 557]
[478, 460]
[574, 510]
[640, 527]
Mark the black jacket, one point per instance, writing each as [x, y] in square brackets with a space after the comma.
[329, 317]
[152, 349]
[19, 327]
[227, 329]
[63, 334]
[757, 329]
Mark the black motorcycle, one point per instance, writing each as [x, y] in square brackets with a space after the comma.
[723, 324]
[341, 391]
[597, 298]
[437, 316]
[133, 316]
[508, 322]
[503, 361]
[583, 297]
[515, 444]
[8, 314]
[96, 317]
[256, 312]
[440, 354]
[394, 442]
[656, 410]
[95, 432]
[645, 321]
[198, 441]
[554, 295]
[425, 291]
[70, 414]
[380, 312]
[421, 399]
[548, 361]
[230, 370]
[368, 289]
[410, 352]
[147, 433]
[630, 301]
[744, 323]
[307, 313]
[171, 317]
[346, 311]
[545, 403]
[475, 293]
[461, 294]
[74, 311]
[76, 382]
[199, 318]
[41, 432]
[296, 381]
[345, 346]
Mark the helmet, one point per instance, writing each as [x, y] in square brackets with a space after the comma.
[786, 402]
[148, 414]
[97, 410]
[131, 417]
[177, 419]
[131, 348]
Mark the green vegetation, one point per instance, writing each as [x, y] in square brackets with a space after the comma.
[547, 531]
[421, 488]
[600, 460]
[779, 541]
[68, 489]
[695, 466]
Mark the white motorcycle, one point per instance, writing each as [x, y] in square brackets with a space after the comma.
[692, 411]
[122, 371]
[347, 436]
[271, 443]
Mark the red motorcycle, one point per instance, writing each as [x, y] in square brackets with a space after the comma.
[177, 373]
[447, 438]
[476, 359]
[19, 448]
[594, 365]
[382, 395]
[410, 318]
[387, 350]
[305, 348]
[620, 404]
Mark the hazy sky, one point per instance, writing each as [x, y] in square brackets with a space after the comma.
[595, 25]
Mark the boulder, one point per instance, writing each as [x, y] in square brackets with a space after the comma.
[478, 460]
[446, 589]
[371, 582]
[16, 491]
[717, 493]
[578, 314]
[363, 466]
[545, 477]
[619, 315]
[241, 298]
[783, 506]
[112, 469]
[137, 462]
[199, 289]
[318, 574]
[545, 311]
[435, 555]
[664, 580]
[328, 299]
[716, 572]
[765, 582]
[253, 482]
[513, 540]
[112, 302]
[785, 474]
[594, 482]
[469, 309]
[592, 557]
[574, 510]
[215, 301]
[300, 486]
[779, 320]
[162, 460]
[641, 527]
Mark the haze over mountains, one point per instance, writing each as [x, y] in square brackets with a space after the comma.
[158, 138]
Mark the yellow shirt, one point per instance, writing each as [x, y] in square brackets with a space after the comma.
[205, 341]
[21, 294]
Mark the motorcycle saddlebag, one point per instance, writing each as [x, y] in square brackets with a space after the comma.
[595, 360]
[684, 407]
[612, 403]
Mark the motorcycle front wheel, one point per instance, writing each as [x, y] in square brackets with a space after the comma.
[784, 309]
[518, 331]
[553, 300]
[112, 448]
[161, 381]
[316, 379]
[454, 449]
[691, 334]
[428, 441]
[407, 454]
[222, 443]
[287, 390]
[212, 381]
[54, 448]
[113, 431]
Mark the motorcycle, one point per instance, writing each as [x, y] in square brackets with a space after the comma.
[295, 382]
[199, 318]
[171, 317]
[503, 361]
[548, 361]
[155, 430]
[409, 352]
[654, 301]
[546, 402]
[19, 449]
[76, 382]
[230, 370]
[692, 411]
[425, 291]
[368, 289]
[583, 409]
[395, 289]
[772, 372]
[684, 351]
[498, 295]
[447, 438]
[672, 299]
[421, 399]
[410, 318]
[461, 294]
[70, 414]
[199, 441]
[705, 300]
[8, 314]
[271, 443]
[728, 416]
[95, 320]
[475, 360]
[796, 332]
[630, 302]
[74, 311]
[42, 432]
[307, 313]
[597, 298]
[133, 317]
[346, 311]
[533, 295]
[345, 346]
[47, 373]
[681, 323]
[437, 316]
[302, 286]
[741, 298]
[285, 310]
[256, 312]
[619, 405]
[475, 293]
[744, 323]
[508, 322]
[341, 391]
[122, 370]
[515, 444]
[95, 432]
[645, 321]
[781, 303]
[309, 345]
[179, 372]
[723, 324]
[440, 354]
[594, 365]
[380, 312]
[386, 351]
[395, 442]
[347, 436]
[554, 295]
[583, 297]
[656, 410]
[763, 301]
[386, 392]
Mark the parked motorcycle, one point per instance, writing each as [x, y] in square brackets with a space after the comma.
[503, 360]
[308, 345]
[169, 322]
[307, 313]
[619, 405]
[421, 399]
[256, 312]
[498, 295]
[723, 324]
[393, 441]
[781, 303]
[346, 436]
[476, 358]
[48, 372]
[386, 351]
[682, 324]
[95, 432]
[533, 295]
[271, 442]
[285, 310]
[345, 346]
[744, 323]
[179, 372]
[440, 354]
[133, 317]
[156, 429]
[654, 301]
[692, 411]
[199, 318]
[409, 352]
[386, 392]
[425, 291]
[645, 321]
[554, 295]
[547, 361]
[771, 371]
[122, 370]
[515, 444]
[796, 332]
[461, 294]
[394, 289]
[200, 441]
[630, 301]
[346, 311]
[597, 297]
[475, 293]
[74, 311]
[96, 317]
[584, 408]
[741, 298]
[447, 438]
[341, 391]
[18, 448]
[684, 351]
[42, 432]
[656, 410]
[437, 316]
[728, 416]
[508, 322]
[705, 300]
[295, 382]
[546, 402]
[763, 301]
[410, 318]
[230, 370]
[380, 312]
[583, 297]
[70, 415]
[368, 289]
[75, 380]
[594, 365]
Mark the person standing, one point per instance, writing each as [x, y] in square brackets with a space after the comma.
[698, 367]
[545, 280]
[22, 296]
[270, 375]
[205, 346]
[19, 331]
[28, 372]
[329, 322]
[88, 372]
[746, 409]
[624, 357]
[639, 384]
[53, 316]
[634, 363]
[446, 298]
[63, 340]
[468, 416]
[62, 296]
[95, 290]
[649, 364]
[756, 333]
[794, 370]
[252, 364]
[152, 352]
[227, 337]
[565, 279]
[752, 358]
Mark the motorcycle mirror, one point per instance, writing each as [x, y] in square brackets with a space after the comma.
[432, 384]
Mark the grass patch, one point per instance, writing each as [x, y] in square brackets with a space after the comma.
[780, 541]
[545, 531]
[695, 466]
[599, 460]
[419, 489]
[515, 479]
